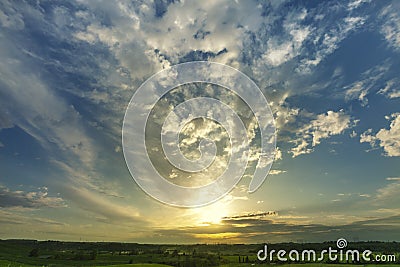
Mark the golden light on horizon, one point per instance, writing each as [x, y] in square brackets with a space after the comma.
[218, 236]
[211, 214]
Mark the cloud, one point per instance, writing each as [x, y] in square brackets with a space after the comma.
[389, 195]
[322, 127]
[391, 90]
[12, 218]
[35, 107]
[136, 34]
[388, 139]
[52, 97]
[251, 215]
[356, 4]
[390, 28]
[34, 200]
[280, 229]
[278, 51]
[9, 18]
[393, 178]
[104, 209]
[326, 39]
[5, 121]
[276, 172]
[278, 154]
[357, 92]
[370, 82]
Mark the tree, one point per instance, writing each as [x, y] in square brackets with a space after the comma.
[93, 255]
[34, 252]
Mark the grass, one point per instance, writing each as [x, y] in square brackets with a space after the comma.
[5, 263]
[15, 253]
[139, 264]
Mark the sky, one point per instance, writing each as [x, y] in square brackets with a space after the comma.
[68, 70]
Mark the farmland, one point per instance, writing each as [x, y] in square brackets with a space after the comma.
[25, 253]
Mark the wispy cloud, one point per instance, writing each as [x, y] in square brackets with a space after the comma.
[393, 178]
[322, 127]
[390, 28]
[276, 172]
[391, 89]
[358, 92]
[102, 208]
[34, 199]
[252, 215]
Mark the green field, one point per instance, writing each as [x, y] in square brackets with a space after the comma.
[141, 265]
[25, 253]
[4, 263]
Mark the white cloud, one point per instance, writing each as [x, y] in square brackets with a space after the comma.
[208, 26]
[102, 206]
[327, 38]
[301, 148]
[391, 24]
[357, 91]
[284, 115]
[391, 90]
[325, 125]
[278, 51]
[322, 127]
[366, 137]
[276, 172]
[278, 154]
[389, 194]
[388, 139]
[356, 3]
[393, 178]
[35, 107]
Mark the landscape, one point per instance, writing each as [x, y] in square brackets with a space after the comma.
[57, 253]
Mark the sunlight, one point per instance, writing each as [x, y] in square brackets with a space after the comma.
[217, 236]
[212, 214]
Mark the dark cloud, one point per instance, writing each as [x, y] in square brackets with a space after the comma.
[251, 215]
[261, 230]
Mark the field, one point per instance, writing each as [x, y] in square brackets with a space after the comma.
[25, 253]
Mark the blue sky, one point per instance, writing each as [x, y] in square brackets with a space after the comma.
[328, 69]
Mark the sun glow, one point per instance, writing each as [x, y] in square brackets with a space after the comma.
[212, 214]
[217, 236]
